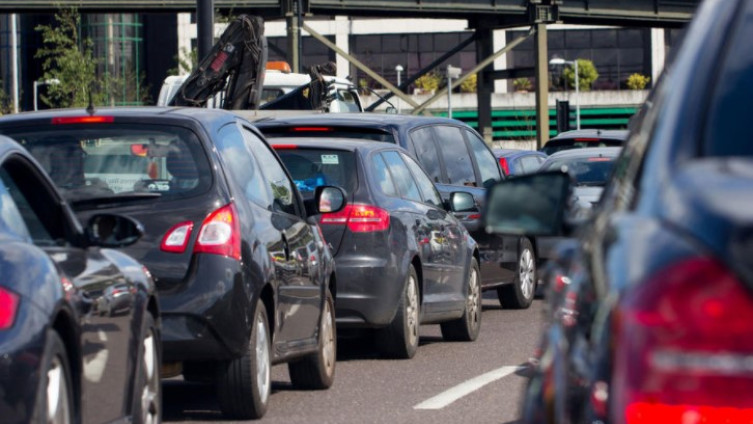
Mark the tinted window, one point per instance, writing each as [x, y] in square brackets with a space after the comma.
[487, 163]
[402, 177]
[382, 176]
[428, 191]
[88, 161]
[28, 198]
[555, 145]
[242, 166]
[311, 168]
[728, 129]
[279, 183]
[10, 217]
[587, 171]
[426, 152]
[456, 157]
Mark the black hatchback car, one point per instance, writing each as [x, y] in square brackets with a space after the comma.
[243, 277]
[402, 258]
[65, 352]
[456, 159]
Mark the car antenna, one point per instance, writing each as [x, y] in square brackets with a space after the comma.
[90, 107]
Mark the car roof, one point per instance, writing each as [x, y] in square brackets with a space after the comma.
[585, 152]
[370, 120]
[592, 133]
[516, 152]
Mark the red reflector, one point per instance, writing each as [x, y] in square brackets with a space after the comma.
[504, 165]
[359, 218]
[307, 129]
[83, 120]
[8, 308]
[284, 146]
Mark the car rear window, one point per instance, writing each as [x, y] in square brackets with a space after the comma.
[311, 167]
[556, 145]
[330, 132]
[592, 171]
[95, 161]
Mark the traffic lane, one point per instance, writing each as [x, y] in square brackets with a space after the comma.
[370, 389]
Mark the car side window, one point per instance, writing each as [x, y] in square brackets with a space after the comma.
[457, 158]
[242, 166]
[382, 176]
[429, 192]
[530, 164]
[426, 152]
[402, 176]
[282, 188]
[11, 220]
[487, 163]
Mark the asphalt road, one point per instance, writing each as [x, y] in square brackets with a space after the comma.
[479, 382]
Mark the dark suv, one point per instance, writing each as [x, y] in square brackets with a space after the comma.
[243, 276]
[457, 159]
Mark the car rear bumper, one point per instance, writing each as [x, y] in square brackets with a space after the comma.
[207, 317]
[368, 290]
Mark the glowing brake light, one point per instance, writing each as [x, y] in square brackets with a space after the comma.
[284, 146]
[505, 167]
[359, 218]
[83, 120]
[8, 308]
[311, 129]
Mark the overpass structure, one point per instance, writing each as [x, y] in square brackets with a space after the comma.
[483, 17]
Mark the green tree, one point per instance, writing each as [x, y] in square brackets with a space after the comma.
[185, 63]
[5, 106]
[587, 74]
[470, 84]
[68, 58]
[637, 81]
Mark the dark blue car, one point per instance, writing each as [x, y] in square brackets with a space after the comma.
[517, 161]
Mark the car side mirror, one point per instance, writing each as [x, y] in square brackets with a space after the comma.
[111, 230]
[530, 205]
[329, 199]
[461, 201]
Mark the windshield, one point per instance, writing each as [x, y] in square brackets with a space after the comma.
[128, 161]
[591, 171]
[311, 168]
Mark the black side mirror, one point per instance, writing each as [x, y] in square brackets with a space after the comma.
[110, 230]
[329, 199]
[530, 205]
[461, 201]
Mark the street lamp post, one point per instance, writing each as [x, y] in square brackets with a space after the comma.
[53, 81]
[452, 72]
[574, 63]
[399, 70]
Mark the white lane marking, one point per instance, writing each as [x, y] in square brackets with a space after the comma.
[94, 365]
[463, 389]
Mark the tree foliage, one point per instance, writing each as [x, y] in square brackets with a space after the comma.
[637, 81]
[587, 74]
[5, 106]
[470, 84]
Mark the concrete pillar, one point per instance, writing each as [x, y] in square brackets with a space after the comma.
[542, 86]
[500, 41]
[658, 53]
[342, 40]
[485, 85]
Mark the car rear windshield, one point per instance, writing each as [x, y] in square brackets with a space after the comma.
[98, 161]
[592, 171]
[330, 132]
[556, 145]
[311, 168]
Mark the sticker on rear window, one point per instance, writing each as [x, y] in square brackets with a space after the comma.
[330, 160]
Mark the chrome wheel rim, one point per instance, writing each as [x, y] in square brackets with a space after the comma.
[328, 335]
[474, 298]
[150, 393]
[411, 300]
[526, 270]
[262, 360]
[58, 398]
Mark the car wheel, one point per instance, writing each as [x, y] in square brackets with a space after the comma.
[400, 338]
[244, 383]
[55, 396]
[317, 371]
[466, 328]
[519, 294]
[147, 398]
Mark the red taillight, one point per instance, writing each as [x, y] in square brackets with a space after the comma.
[504, 165]
[176, 238]
[684, 348]
[8, 308]
[83, 120]
[359, 218]
[220, 233]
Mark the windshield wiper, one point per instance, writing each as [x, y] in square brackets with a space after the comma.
[113, 200]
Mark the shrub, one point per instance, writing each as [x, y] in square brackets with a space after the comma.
[587, 74]
[469, 85]
[637, 81]
[522, 84]
[428, 82]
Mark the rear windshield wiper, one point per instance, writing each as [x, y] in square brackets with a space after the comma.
[112, 200]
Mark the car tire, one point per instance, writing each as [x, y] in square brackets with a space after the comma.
[244, 384]
[55, 385]
[317, 371]
[147, 399]
[399, 340]
[467, 327]
[519, 294]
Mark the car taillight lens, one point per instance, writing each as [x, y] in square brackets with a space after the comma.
[504, 165]
[176, 238]
[220, 233]
[8, 308]
[684, 349]
[359, 218]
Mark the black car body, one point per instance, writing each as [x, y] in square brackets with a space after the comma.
[577, 139]
[457, 159]
[223, 227]
[400, 255]
[63, 354]
[518, 162]
[656, 302]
